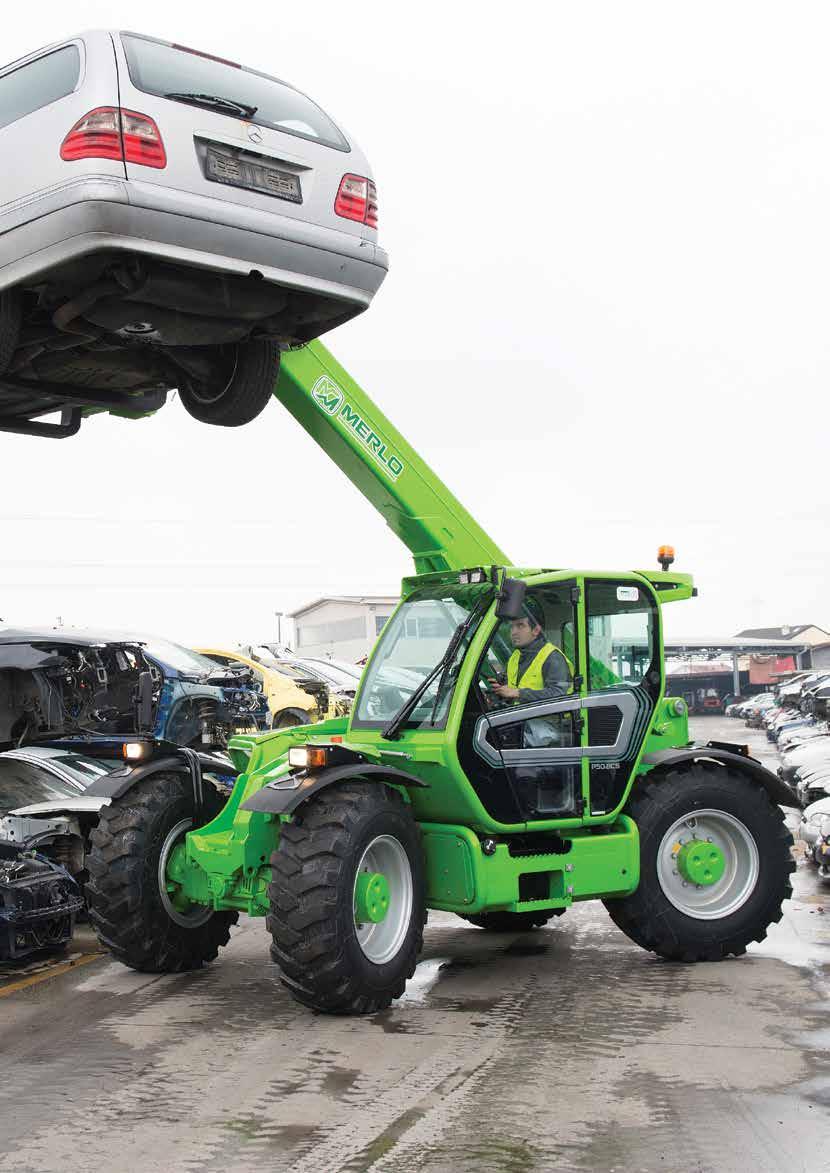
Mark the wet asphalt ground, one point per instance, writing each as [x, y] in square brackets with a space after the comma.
[564, 1049]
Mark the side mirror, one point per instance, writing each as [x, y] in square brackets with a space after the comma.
[511, 599]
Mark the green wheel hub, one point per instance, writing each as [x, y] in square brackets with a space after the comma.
[701, 863]
[371, 898]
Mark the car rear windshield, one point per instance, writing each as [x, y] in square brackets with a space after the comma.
[162, 69]
[38, 84]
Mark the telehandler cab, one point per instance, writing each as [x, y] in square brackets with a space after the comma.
[447, 787]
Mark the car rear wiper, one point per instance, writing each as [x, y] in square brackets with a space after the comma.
[215, 102]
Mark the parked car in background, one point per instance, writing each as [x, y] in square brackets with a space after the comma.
[172, 220]
[338, 676]
[201, 703]
[57, 683]
[292, 698]
[80, 683]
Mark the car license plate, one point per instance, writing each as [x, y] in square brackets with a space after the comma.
[236, 172]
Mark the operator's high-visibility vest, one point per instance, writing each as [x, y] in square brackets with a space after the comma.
[533, 677]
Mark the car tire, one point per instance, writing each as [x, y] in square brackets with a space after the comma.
[11, 317]
[289, 719]
[235, 401]
[679, 919]
[512, 922]
[330, 961]
[131, 914]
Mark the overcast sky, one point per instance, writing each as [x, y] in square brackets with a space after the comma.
[605, 324]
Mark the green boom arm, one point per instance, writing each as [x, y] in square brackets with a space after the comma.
[350, 429]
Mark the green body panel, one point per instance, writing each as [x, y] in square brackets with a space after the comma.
[355, 434]
[226, 863]
[461, 878]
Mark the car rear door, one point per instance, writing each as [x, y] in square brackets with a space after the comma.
[285, 159]
[42, 97]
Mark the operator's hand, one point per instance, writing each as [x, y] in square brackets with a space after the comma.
[505, 691]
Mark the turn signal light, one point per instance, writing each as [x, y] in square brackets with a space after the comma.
[113, 133]
[357, 199]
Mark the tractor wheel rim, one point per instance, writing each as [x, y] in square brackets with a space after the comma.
[382, 941]
[197, 914]
[738, 851]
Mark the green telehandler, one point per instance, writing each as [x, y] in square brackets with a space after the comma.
[454, 784]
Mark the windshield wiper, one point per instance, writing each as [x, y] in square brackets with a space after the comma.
[392, 730]
[215, 102]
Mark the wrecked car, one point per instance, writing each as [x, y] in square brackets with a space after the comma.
[54, 683]
[74, 683]
[38, 903]
[173, 221]
[51, 795]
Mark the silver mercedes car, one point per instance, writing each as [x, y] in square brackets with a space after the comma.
[168, 219]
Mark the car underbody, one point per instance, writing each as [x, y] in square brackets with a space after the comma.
[118, 331]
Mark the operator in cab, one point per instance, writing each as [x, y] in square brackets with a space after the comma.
[537, 670]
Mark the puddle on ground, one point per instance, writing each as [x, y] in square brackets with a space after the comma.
[424, 978]
[783, 943]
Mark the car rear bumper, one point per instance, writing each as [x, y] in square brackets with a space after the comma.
[100, 213]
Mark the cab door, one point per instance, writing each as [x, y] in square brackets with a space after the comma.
[523, 753]
[623, 684]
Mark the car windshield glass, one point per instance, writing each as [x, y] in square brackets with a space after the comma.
[163, 70]
[334, 675]
[22, 784]
[179, 658]
[413, 642]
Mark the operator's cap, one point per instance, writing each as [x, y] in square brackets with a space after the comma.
[532, 610]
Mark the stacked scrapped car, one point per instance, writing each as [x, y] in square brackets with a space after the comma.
[59, 683]
[38, 903]
[178, 221]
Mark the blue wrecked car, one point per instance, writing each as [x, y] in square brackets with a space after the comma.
[72, 683]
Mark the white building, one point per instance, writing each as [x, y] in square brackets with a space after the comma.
[344, 627]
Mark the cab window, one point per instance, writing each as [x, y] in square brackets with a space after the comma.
[535, 653]
[622, 635]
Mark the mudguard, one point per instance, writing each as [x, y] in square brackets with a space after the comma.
[284, 795]
[185, 761]
[778, 791]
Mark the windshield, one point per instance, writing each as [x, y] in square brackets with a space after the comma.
[412, 643]
[333, 675]
[22, 784]
[180, 659]
[163, 70]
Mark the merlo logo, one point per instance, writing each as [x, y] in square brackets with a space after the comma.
[327, 394]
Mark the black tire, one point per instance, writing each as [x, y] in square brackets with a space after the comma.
[238, 398]
[312, 919]
[512, 922]
[650, 919]
[123, 894]
[289, 719]
[11, 317]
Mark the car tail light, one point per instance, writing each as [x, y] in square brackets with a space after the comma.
[142, 140]
[111, 133]
[357, 199]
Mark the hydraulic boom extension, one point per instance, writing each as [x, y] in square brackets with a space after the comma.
[361, 441]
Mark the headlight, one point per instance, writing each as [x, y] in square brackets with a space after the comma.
[308, 757]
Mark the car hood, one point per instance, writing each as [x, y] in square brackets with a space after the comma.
[80, 805]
